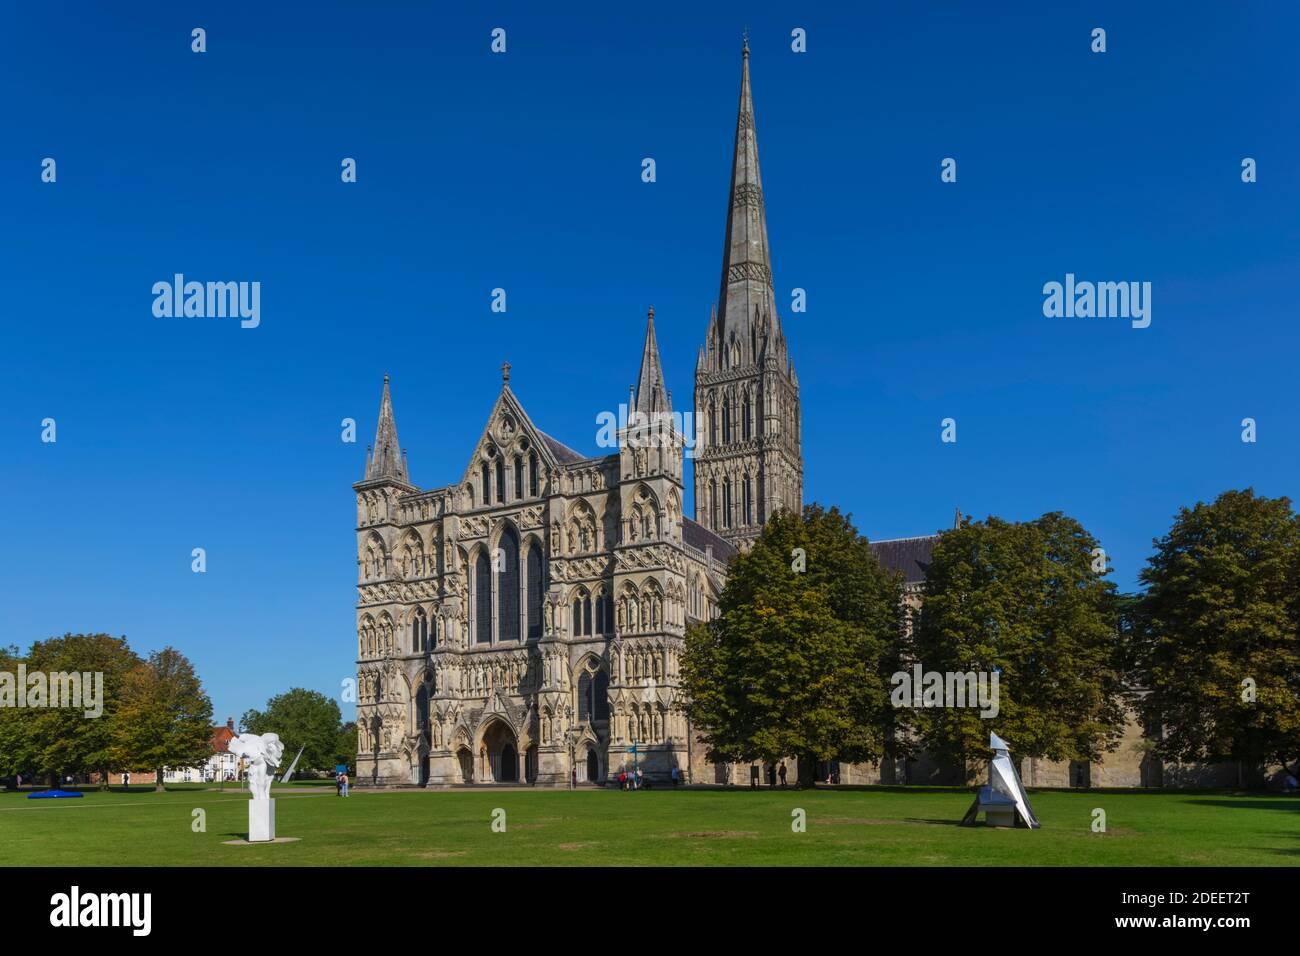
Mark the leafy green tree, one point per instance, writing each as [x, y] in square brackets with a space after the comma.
[1023, 600]
[15, 741]
[56, 740]
[302, 718]
[793, 664]
[165, 718]
[1220, 613]
[1135, 638]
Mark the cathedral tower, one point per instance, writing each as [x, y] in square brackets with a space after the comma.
[381, 611]
[748, 462]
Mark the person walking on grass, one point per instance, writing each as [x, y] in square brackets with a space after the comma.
[345, 783]
[781, 773]
[676, 775]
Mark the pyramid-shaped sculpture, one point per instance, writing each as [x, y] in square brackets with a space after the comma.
[1003, 800]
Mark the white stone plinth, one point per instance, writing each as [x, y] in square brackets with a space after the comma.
[261, 821]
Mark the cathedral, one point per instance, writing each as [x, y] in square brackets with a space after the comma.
[525, 622]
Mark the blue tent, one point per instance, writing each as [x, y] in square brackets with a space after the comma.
[43, 794]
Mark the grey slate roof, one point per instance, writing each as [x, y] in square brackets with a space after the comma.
[700, 537]
[563, 453]
[911, 556]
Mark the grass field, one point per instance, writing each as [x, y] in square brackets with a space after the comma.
[868, 827]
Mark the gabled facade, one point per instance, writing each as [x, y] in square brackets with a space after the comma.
[525, 623]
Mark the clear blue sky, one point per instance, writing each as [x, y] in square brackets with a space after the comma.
[523, 171]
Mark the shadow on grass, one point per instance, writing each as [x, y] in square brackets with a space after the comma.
[891, 788]
[827, 788]
[1282, 803]
[1283, 851]
[974, 787]
[933, 823]
[1156, 791]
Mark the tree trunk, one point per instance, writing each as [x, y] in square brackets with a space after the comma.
[158, 781]
[807, 770]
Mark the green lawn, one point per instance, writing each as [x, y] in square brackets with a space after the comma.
[869, 827]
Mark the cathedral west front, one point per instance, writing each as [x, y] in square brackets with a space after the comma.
[525, 622]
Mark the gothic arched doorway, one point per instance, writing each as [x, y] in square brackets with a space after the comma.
[593, 765]
[466, 761]
[508, 767]
[502, 755]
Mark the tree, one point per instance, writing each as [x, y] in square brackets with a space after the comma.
[1220, 614]
[1023, 600]
[68, 739]
[15, 740]
[302, 718]
[793, 664]
[165, 719]
[1135, 639]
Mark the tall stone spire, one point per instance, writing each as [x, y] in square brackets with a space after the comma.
[746, 260]
[651, 393]
[748, 461]
[387, 460]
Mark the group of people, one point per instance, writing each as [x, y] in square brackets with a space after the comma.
[773, 771]
[341, 784]
[631, 781]
[637, 781]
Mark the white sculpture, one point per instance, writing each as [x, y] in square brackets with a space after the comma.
[262, 754]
